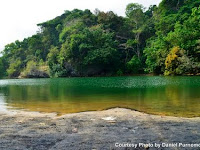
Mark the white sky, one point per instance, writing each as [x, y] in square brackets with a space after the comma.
[19, 17]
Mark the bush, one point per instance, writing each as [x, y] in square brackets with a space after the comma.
[14, 69]
[134, 65]
[119, 72]
[33, 70]
[178, 63]
[1, 68]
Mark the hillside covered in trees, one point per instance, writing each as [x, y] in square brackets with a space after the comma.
[162, 39]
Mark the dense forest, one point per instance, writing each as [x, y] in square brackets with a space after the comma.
[162, 39]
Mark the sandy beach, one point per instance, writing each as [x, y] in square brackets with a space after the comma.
[97, 130]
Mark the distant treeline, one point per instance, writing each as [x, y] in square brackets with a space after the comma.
[162, 39]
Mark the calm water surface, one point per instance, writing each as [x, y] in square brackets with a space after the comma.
[174, 96]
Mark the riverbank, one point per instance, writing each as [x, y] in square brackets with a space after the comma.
[99, 76]
[93, 130]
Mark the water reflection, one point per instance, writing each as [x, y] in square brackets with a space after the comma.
[3, 107]
[176, 96]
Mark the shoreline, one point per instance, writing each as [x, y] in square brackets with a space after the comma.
[57, 115]
[98, 76]
[93, 129]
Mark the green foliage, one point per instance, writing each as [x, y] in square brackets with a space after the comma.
[31, 65]
[156, 53]
[177, 27]
[163, 39]
[76, 27]
[14, 69]
[1, 68]
[110, 21]
[52, 57]
[134, 65]
[177, 63]
[119, 72]
[34, 70]
[187, 34]
[135, 12]
[56, 69]
[88, 48]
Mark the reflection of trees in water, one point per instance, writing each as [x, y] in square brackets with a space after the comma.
[173, 95]
[24, 94]
[75, 97]
[183, 100]
[3, 107]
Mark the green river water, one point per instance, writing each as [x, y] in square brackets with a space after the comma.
[173, 96]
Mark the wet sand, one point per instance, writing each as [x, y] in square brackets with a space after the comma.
[97, 130]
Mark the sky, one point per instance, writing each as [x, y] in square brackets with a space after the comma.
[19, 18]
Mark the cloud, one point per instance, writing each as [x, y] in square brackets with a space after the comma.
[19, 18]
